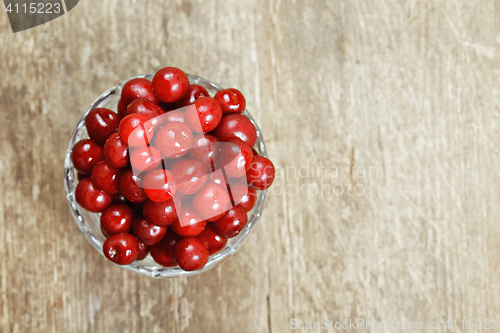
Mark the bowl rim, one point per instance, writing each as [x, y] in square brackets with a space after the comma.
[156, 271]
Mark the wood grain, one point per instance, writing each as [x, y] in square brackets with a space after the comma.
[406, 91]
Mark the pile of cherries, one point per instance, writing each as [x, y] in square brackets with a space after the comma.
[173, 172]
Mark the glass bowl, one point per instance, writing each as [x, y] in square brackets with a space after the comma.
[89, 222]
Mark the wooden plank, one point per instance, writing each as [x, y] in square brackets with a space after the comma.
[407, 89]
[394, 104]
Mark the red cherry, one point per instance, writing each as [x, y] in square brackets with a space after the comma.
[138, 88]
[117, 219]
[246, 149]
[215, 218]
[160, 185]
[80, 176]
[143, 251]
[85, 155]
[261, 173]
[115, 151]
[232, 222]
[135, 130]
[218, 178]
[193, 93]
[188, 224]
[122, 109]
[212, 240]
[145, 159]
[210, 201]
[243, 195]
[173, 140]
[90, 197]
[236, 126]
[170, 84]
[147, 232]
[235, 157]
[163, 252]
[191, 175]
[166, 118]
[161, 213]
[205, 149]
[145, 107]
[231, 100]
[204, 115]
[122, 249]
[100, 124]
[106, 178]
[131, 187]
[172, 116]
[191, 254]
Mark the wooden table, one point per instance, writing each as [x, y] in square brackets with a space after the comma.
[381, 116]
